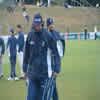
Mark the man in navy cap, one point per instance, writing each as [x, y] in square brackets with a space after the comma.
[39, 15]
[60, 44]
[37, 61]
[2, 50]
[12, 52]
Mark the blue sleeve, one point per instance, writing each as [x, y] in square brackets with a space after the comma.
[3, 47]
[62, 40]
[8, 43]
[53, 47]
[57, 58]
[57, 64]
[26, 55]
[21, 42]
[17, 44]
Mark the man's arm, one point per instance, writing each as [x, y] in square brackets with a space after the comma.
[60, 44]
[20, 42]
[63, 44]
[26, 57]
[8, 49]
[53, 47]
[61, 47]
[3, 47]
[58, 55]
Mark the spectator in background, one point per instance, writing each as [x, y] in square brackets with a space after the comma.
[26, 15]
[95, 36]
[39, 2]
[2, 50]
[97, 5]
[22, 2]
[12, 52]
[85, 33]
[45, 3]
[20, 48]
[19, 2]
[66, 5]
[10, 9]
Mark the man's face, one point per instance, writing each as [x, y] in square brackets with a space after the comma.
[11, 33]
[18, 30]
[51, 27]
[38, 28]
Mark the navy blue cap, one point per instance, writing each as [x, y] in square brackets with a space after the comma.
[12, 30]
[37, 20]
[49, 21]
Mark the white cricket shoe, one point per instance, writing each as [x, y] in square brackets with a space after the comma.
[10, 79]
[16, 78]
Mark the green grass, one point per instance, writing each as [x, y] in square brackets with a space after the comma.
[79, 80]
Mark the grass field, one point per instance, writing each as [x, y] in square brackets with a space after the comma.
[79, 80]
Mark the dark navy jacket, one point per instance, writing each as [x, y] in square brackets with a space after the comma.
[2, 46]
[56, 35]
[56, 60]
[35, 54]
[12, 45]
[20, 42]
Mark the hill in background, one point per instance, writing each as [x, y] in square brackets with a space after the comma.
[72, 19]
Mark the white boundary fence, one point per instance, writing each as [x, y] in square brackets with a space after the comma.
[71, 36]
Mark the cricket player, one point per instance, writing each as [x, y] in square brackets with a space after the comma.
[20, 48]
[12, 52]
[2, 50]
[37, 61]
[60, 43]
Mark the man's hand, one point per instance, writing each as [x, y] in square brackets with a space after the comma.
[25, 75]
[55, 74]
[0, 54]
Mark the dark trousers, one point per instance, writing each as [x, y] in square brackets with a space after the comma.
[1, 65]
[13, 63]
[45, 1]
[40, 89]
[55, 94]
[27, 19]
[35, 89]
